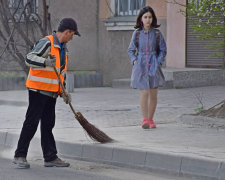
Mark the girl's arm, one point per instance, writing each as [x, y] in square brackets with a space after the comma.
[162, 49]
[132, 48]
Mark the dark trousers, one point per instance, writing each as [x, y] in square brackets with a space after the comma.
[41, 108]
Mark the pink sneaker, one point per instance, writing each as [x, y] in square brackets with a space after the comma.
[145, 124]
[151, 123]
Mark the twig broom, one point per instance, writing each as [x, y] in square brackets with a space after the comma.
[92, 131]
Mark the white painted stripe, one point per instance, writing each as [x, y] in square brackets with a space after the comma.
[44, 80]
[47, 68]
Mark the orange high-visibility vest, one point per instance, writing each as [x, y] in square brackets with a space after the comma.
[45, 78]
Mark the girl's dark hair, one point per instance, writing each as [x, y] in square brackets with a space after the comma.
[144, 10]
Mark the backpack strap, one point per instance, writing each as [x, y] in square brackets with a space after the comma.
[157, 36]
[137, 38]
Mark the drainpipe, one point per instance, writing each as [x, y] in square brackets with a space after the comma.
[97, 36]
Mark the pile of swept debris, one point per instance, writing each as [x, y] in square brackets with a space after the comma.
[216, 111]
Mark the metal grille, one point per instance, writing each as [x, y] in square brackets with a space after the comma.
[198, 52]
[128, 7]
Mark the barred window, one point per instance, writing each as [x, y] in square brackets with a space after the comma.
[16, 7]
[128, 7]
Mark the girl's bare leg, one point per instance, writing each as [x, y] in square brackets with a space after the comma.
[144, 96]
[153, 102]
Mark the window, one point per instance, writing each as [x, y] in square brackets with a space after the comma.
[128, 7]
[124, 14]
[16, 7]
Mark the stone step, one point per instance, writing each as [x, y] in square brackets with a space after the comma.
[12, 83]
[83, 80]
[184, 78]
[125, 83]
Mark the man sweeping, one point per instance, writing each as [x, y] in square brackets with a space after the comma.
[44, 88]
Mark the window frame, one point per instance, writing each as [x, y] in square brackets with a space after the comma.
[120, 23]
[118, 9]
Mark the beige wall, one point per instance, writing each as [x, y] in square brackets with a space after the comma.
[104, 10]
[176, 33]
[159, 7]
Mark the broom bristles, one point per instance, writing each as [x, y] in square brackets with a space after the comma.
[91, 130]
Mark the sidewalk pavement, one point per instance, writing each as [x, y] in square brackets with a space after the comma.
[174, 146]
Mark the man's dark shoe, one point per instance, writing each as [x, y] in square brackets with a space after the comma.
[56, 163]
[21, 162]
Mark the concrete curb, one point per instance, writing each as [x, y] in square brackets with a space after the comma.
[134, 158]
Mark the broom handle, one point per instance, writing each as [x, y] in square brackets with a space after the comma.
[64, 91]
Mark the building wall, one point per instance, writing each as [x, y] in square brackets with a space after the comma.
[159, 7]
[113, 56]
[82, 50]
[99, 49]
[176, 34]
[113, 44]
[104, 9]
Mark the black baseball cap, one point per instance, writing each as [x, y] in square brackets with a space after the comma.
[68, 23]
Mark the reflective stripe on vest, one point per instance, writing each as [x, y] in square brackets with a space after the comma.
[45, 78]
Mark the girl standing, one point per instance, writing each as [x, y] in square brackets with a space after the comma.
[146, 51]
